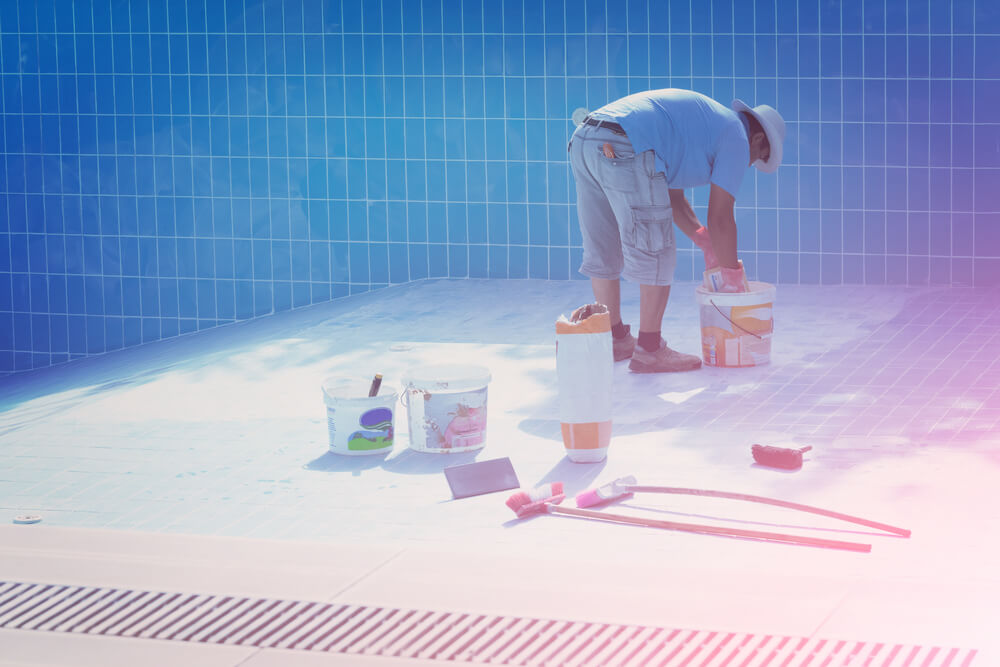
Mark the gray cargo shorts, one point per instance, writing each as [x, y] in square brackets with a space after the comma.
[624, 210]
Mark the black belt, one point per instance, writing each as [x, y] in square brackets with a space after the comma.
[607, 124]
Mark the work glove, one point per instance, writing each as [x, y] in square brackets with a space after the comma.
[733, 280]
[704, 241]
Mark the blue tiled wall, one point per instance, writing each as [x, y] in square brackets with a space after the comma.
[171, 165]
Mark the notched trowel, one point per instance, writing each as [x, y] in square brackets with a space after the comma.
[479, 477]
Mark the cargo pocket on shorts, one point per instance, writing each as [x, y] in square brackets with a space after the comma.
[616, 173]
[651, 228]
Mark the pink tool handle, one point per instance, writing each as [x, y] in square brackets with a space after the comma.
[709, 530]
[635, 488]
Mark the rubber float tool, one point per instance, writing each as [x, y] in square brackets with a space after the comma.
[479, 477]
[627, 486]
[546, 498]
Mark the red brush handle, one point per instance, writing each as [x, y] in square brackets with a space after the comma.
[903, 532]
[709, 530]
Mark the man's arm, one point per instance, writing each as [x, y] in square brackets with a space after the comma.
[722, 226]
[684, 216]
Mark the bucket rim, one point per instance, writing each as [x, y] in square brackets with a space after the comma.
[760, 293]
[447, 377]
[355, 390]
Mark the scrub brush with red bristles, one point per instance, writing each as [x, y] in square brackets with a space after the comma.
[531, 502]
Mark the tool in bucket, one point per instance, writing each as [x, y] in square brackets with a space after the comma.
[376, 383]
[545, 500]
[626, 486]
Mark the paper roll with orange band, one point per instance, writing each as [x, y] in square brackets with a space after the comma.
[585, 366]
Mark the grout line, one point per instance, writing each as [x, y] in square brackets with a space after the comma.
[333, 598]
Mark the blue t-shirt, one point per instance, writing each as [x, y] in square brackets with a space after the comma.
[696, 140]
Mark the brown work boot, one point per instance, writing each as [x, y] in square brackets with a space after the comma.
[623, 346]
[664, 360]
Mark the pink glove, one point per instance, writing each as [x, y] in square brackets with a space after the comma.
[704, 241]
[733, 280]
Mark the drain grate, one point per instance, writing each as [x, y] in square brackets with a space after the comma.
[409, 633]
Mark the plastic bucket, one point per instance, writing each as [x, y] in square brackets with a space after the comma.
[359, 424]
[447, 407]
[736, 328]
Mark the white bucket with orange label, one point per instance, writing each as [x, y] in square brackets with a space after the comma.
[736, 328]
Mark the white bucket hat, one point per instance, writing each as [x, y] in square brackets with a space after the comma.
[774, 128]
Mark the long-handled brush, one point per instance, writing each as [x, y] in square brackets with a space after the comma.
[626, 486]
[546, 499]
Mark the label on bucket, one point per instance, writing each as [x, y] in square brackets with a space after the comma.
[370, 430]
[737, 335]
[447, 421]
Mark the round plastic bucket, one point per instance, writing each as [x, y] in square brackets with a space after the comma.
[736, 328]
[447, 407]
[359, 424]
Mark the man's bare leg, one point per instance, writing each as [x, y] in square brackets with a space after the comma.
[652, 304]
[609, 292]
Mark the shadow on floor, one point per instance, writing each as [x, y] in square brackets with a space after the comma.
[331, 462]
[411, 462]
[408, 462]
[575, 476]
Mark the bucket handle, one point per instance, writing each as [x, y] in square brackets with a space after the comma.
[758, 337]
[404, 397]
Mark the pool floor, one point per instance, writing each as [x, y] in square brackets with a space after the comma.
[201, 465]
